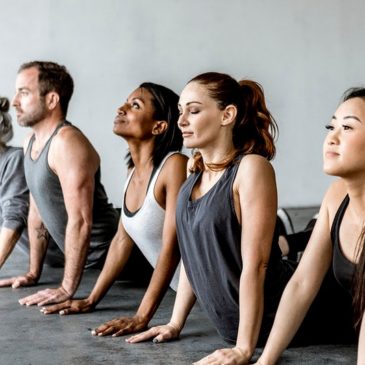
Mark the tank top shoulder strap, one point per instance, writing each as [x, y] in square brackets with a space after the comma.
[46, 146]
[30, 144]
[157, 171]
[335, 228]
[231, 171]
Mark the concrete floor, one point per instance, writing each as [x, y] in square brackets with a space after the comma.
[30, 338]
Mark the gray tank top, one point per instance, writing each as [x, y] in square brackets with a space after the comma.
[46, 190]
[209, 237]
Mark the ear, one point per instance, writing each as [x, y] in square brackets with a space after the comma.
[229, 115]
[159, 127]
[52, 100]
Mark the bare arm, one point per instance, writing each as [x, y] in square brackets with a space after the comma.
[8, 239]
[38, 241]
[174, 176]
[118, 255]
[301, 289]
[75, 162]
[258, 202]
[76, 171]
[184, 301]
[168, 184]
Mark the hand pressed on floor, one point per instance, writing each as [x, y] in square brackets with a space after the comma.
[72, 306]
[46, 296]
[121, 326]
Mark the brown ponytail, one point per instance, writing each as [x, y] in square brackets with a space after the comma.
[255, 131]
[255, 128]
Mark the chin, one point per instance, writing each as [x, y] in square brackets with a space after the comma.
[332, 170]
[188, 145]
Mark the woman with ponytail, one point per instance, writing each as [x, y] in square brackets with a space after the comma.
[14, 197]
[337, 242]
[226, 217]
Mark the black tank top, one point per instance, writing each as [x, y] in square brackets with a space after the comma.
[209, 236]
[343, 268]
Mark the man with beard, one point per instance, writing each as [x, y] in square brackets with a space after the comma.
[62, 169]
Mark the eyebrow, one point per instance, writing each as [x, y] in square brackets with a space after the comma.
[192, 102]
[349, 117]
[138, 99]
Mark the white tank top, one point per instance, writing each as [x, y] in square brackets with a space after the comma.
[146, 225]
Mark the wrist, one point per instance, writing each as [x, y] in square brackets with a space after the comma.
[33, 275]
[92, 300]
[245, 352]
[142, 317]
[176, 326]
[68, 289]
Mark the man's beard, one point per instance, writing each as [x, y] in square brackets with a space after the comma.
[34, 117]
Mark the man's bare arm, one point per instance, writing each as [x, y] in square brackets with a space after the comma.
[74, 160]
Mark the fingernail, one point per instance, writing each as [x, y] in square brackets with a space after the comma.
[93, 332]
[155, 340]
[62, 312]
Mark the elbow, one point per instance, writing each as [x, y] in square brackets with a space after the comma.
[255, 272]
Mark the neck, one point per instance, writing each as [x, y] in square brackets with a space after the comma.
[216, 154]
[44, 129]
[141, 154]
[356, 191]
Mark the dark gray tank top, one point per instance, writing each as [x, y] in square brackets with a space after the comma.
[46, 190]
[209, 236]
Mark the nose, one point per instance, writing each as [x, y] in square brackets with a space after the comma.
[122, 109]
[182, 121]
[14, 101]
[333, 136]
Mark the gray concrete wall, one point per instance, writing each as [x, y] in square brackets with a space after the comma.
[305, 54]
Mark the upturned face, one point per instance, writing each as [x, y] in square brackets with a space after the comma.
[134, 118]
[29, 104]
[344, 145]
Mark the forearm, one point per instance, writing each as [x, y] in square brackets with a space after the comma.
[294, 305]
[185, 299]
[161, 278]
[77, 241]
[38, 243]
[8, 239]
[361, 345]
[118, 255]
[251, 303]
